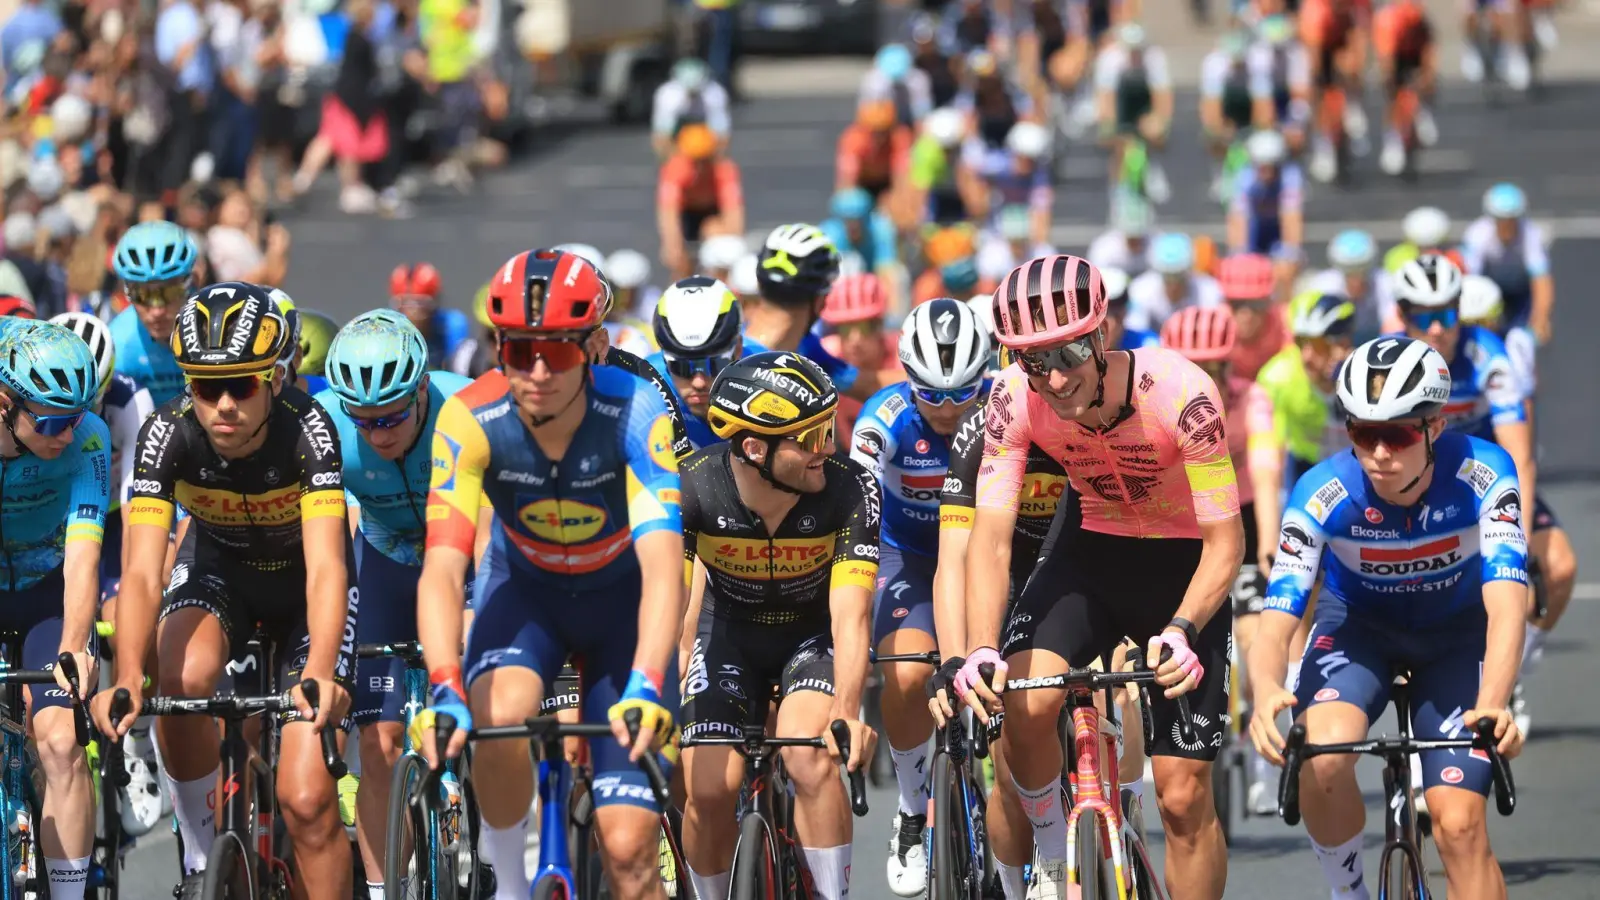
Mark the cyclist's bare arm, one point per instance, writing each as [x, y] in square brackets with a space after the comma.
[949, 589]
[670, 226]
[974, 191]
[992, 528]
[661, 601]
[80, 569]
[480, 541]
[441, 595]
[138, 603]
[1294, 227]
[1506, 603]
[691, 614]
[850, 609]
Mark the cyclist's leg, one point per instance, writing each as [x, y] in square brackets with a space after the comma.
[821, 810]
[1343, 687]
[308, 797]
[1559, 564]
[717, 689]
[903, 623]
[1009, 832]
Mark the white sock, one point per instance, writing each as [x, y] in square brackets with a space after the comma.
[503, 849]
[709, 887]
[830, 871]
[1011, 880]
[1342, 867]
[68, 877]
[196, 820]
[1043, 807]
[374, 891]
[1532, 648]
[911, 774]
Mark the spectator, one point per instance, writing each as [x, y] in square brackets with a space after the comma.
[241, 247]
[21, 232]
[25, 38]
[56, 237]
[182, 49]
[236, 39]
[450, 78]
[354, 129]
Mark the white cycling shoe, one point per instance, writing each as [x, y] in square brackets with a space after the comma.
[908, 861]
[142, 799]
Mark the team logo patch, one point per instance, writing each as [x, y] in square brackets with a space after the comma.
[1374, 516]
[1294, 540]
[445, 451]
[1452, 775]
[1326, 694]
[900, 612]
[563, 522]
[922, 445]
[660, 443]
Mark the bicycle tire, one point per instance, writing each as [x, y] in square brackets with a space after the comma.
[410, 772]
[480, 880]
[588, 870]
[1091, 860]
[951, 863]
[229, 874]
[755, 861]
[1403, 879]
[1144, 883]
[550, 887]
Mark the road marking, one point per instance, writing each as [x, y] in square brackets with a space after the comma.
[1589, 590]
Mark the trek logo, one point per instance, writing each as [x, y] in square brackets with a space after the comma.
[1430, 557]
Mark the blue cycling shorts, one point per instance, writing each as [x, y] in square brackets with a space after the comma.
[111, 556]
[1351, 659]
[35, 613]
[904, 598]
[525, 621]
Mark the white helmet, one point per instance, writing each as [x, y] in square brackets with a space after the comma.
[742, 277]
[1266, 148]
[1416, 382]
[721, 251]
[1028, 140]
[1426, 227]
[1481, 302]
[946, 126]
[71, 116]
[1115, 281]
[94, 333]
[626, 269]
[1429, 280]
[982, 306]
[943, 346]
[589, 252]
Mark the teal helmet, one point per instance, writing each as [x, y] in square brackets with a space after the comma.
[1352, 250]
[46, 363]
[1172, 254]
[154, 251]
[1505, 201]
[376, 359]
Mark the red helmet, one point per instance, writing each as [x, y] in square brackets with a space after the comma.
[548, 290]
[1246, 276]
[854, 298]
[1202, 334]
[414, 280]
[20, 307]
[1048, 300]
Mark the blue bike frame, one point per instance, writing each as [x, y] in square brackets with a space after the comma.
[555, 858]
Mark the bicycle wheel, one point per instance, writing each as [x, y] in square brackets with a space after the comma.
[1091, 854]
[755, 861]
[412, 875]
[1402, 878]
[1144, 883]
[228, 870]
[951, 858]
[550, 887]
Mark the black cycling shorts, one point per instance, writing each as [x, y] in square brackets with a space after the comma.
[1250, 587]
[1095, 589]
[735, 662]
[245, 600]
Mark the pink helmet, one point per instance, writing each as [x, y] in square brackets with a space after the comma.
[1201, 334]
[1246, 276]
[854, 298]
[1048, 300]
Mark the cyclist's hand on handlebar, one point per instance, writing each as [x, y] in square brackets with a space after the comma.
[1181, 673]
[1509, 738]
[642, 693]
[100, 709]
[1270, 700]
[970, 686]
[940, 687]
[334, 701]
[446, 701]
[88, 673]
[863, 740]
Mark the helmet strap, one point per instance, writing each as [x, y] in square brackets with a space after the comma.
[764, 467]
[10, 421]
[1427, 443]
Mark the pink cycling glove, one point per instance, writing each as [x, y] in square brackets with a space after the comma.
[1188, 662]
[969, 676]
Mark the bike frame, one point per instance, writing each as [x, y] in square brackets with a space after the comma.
[17, 791]
[971, 798]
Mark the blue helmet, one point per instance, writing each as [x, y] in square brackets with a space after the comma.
[48, 364]
[1505, 201]
[1352, 249]
[376, 359]
[851, 203]
[960, 276]
[894, 61]
[1172, 254]
[154, 251]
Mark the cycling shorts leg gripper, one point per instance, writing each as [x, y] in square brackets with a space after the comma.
[1544, 517]
[904, 598]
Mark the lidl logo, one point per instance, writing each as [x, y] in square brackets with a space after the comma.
[660, 444]
[564, 522]
[445, 451]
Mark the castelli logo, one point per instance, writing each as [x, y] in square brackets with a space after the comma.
[1374, 516]
[922, 446]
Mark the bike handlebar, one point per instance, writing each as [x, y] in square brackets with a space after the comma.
[1296, 751]
[406, 650]
[233, 707]
[542, 728]
[755, 744]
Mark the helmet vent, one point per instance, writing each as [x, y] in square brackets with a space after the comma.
[388, 372]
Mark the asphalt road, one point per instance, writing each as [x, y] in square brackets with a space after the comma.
[595, 184]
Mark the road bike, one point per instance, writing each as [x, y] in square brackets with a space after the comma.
[1401, 873]
[22, 871]
[962, 866]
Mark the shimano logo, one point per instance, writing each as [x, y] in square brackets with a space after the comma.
[1382, 534]
[323, 479]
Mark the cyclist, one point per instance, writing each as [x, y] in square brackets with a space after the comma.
[1353, 256]
[958, 277]
[1172, 284]
[992, 103]
[1483, 306]
[414, 291]
[1442, 595]
[689, 97]
[1505, 29]
[697, 325]
[384, 404]
[1054, 49]
[719, 254]
[1334, 32]
[991, 177]
[786, 534]
[628, 271]
[1247, 284]
[932, 177]
[58, 454]
[1117, 333]
[935, 59]
[853, 314]
[587, 559]
[314, 335]
[874, 152]
[1133, 90]
[155, 261]
[1299, 380]
[1426, 229]
[1226, 104]
[1488, 400]
[1280, 81]
[267, 543]
[902, 438]
[12, 306]
[1126, 245]
[894, 77]
[1008, 243]
[864, 236]
[1154, 514]
[1504, 245]
[698, 194]
[1408, 58]
[1266, 214]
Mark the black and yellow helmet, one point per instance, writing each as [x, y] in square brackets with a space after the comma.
[230, 328]
[771, 394]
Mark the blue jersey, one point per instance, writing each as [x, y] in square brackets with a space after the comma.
[699, 431]
[843, 374]
[1408, 566]
[147, 361]
[450, 330]
[392, 494]
[1484, 389]
[909, 459]
[1134, 338]
[46, 503]
[123, 408]
[1263, 204]
[878, 247]
[315, 384]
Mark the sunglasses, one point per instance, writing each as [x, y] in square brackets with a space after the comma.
[1423, 318]
[239, 387]
[523, 353]
[1394, 435]
[53, 424]
[957, 396]
[1256, 306]
[415, 302]
[157, 295]
[864, 328]
[381, 423]
[689, 367]
[816, 438]
[1064, 358]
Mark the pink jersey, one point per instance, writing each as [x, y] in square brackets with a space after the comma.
[1250, 431]
[1158, 473]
